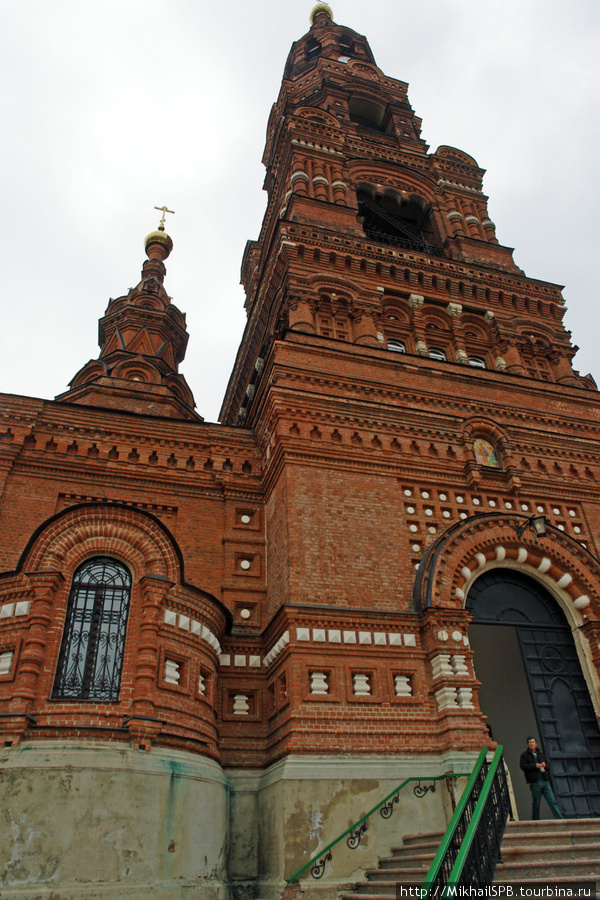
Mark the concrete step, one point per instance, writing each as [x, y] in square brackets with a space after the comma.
[520, 852]
[407, 875]
[425, 838]
[416, 849]
[379, 889]
[591, 883]
[406, 859]
[575, 867]
[560, 851]
[351, 895]
[374, 891]
[404, 874]
[554, 824]
[562, 839]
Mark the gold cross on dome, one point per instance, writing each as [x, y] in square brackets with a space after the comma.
[163, 210]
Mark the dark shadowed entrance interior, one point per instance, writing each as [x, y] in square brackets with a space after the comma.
[532, 683]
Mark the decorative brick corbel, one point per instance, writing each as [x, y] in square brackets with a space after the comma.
[14, 727]
[143, 730]
[33, 653]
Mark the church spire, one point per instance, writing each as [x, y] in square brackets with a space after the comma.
[142, 339]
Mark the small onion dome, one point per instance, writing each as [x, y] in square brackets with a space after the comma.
[158, 245]
[321, 8]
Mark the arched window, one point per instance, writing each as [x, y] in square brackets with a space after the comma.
[389, 217]
[91, 655]
[477, 362]
[436, 353]
[396, 346]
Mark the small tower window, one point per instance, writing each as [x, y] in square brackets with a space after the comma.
[366, 113]
[396, 346]
[485, 453]
[436, 353]
[346, 43]
[477, 362]
[91, 655]
[313, 48]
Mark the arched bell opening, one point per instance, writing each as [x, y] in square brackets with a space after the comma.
[532, 684]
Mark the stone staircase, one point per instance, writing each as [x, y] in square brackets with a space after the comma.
[559, 850]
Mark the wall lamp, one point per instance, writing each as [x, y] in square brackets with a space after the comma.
[536, 523]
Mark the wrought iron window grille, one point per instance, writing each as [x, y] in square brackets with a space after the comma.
[91, 655]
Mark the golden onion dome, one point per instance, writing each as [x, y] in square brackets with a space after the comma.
[320, 8]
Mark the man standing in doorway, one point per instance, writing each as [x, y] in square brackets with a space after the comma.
[535, 766]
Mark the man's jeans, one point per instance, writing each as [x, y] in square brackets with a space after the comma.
[539, 788]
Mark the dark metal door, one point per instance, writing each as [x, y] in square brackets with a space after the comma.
[568, 729]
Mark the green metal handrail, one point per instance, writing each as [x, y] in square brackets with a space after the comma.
[359, 827]
[465, 843]
[448, 837]
[468, 839]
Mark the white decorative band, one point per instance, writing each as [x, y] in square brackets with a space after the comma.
[185, 623]
[543, 566]
[21, 608]
[276, 649]
[240, 660]
[339, 636]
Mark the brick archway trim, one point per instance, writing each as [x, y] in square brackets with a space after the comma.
[487, 540]
[136, 536]
[100, 523]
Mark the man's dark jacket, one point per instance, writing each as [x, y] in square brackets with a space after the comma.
[528, 764]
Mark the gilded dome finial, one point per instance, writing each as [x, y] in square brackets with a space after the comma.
[158, 244]
[320, 8]
[163, 210]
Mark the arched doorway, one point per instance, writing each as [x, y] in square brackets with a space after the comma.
[532, 683]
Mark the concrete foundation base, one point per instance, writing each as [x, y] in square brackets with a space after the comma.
[99, 821]
[285, 815]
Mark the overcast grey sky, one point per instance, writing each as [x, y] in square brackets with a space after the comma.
[112, 107]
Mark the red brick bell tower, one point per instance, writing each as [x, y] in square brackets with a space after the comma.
[399, 370]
